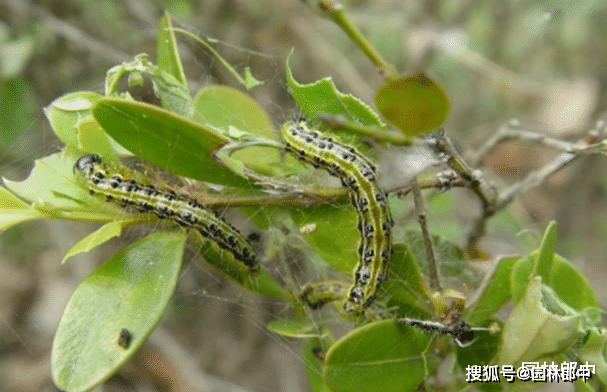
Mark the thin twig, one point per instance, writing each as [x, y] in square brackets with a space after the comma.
[593, 142]
[535, 178]
[420, 211]
[513, 132]
[442, 182]
[478, 183]
[336, 12]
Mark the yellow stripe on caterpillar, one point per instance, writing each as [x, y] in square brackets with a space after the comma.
[359, 175]
[107, 180]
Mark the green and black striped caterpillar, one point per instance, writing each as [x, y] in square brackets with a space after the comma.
[104, 179]
[374, 219]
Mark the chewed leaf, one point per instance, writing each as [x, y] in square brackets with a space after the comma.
[14, 211]
[541, 325]
[414, 104]
[146, 82]
[67, 111]
[112, 312]
[52, 182]
[323, 97]
[167, 140]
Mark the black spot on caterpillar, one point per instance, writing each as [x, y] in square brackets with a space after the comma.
[106, 180]
[375, 222]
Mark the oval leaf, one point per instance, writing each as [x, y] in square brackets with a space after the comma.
[129, 292]
[167, 140]
[383, 356]
[52, 182]
[244, 114]
[414, 104]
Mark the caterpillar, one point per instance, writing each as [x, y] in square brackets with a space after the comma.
[316, 295]
[103, 179]
[461, 332]
[359, 175]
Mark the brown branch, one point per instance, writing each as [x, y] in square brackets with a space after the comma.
[493, 200]
[420, 211]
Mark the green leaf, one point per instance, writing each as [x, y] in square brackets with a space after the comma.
[261, 282]
[226, 108]
[450, 260]
[480, 352]
[540, 326]
[129, 291]
[594, 350]
[92, 138]
[265, 284]
[340, 251]
[494, 293]
[322, 97]
[568, 282]
[403, 284]
[14, 210]
[520, 275]
[294, 328]
[383, 356]
[249, 81]
[146, 82]
[571, 285]
[92, 240]
[414, 104]
[167, 52]
[66, 112]
[314, 364]
[543, 263]
[52, 183]
[167, 140]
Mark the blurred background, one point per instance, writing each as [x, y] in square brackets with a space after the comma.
[541, 64]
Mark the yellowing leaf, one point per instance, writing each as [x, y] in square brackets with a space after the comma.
[414, 104]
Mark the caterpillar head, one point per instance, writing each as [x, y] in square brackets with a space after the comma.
[85, 163]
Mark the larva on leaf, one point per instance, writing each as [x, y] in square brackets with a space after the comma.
[359, 175]
[106, 180]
